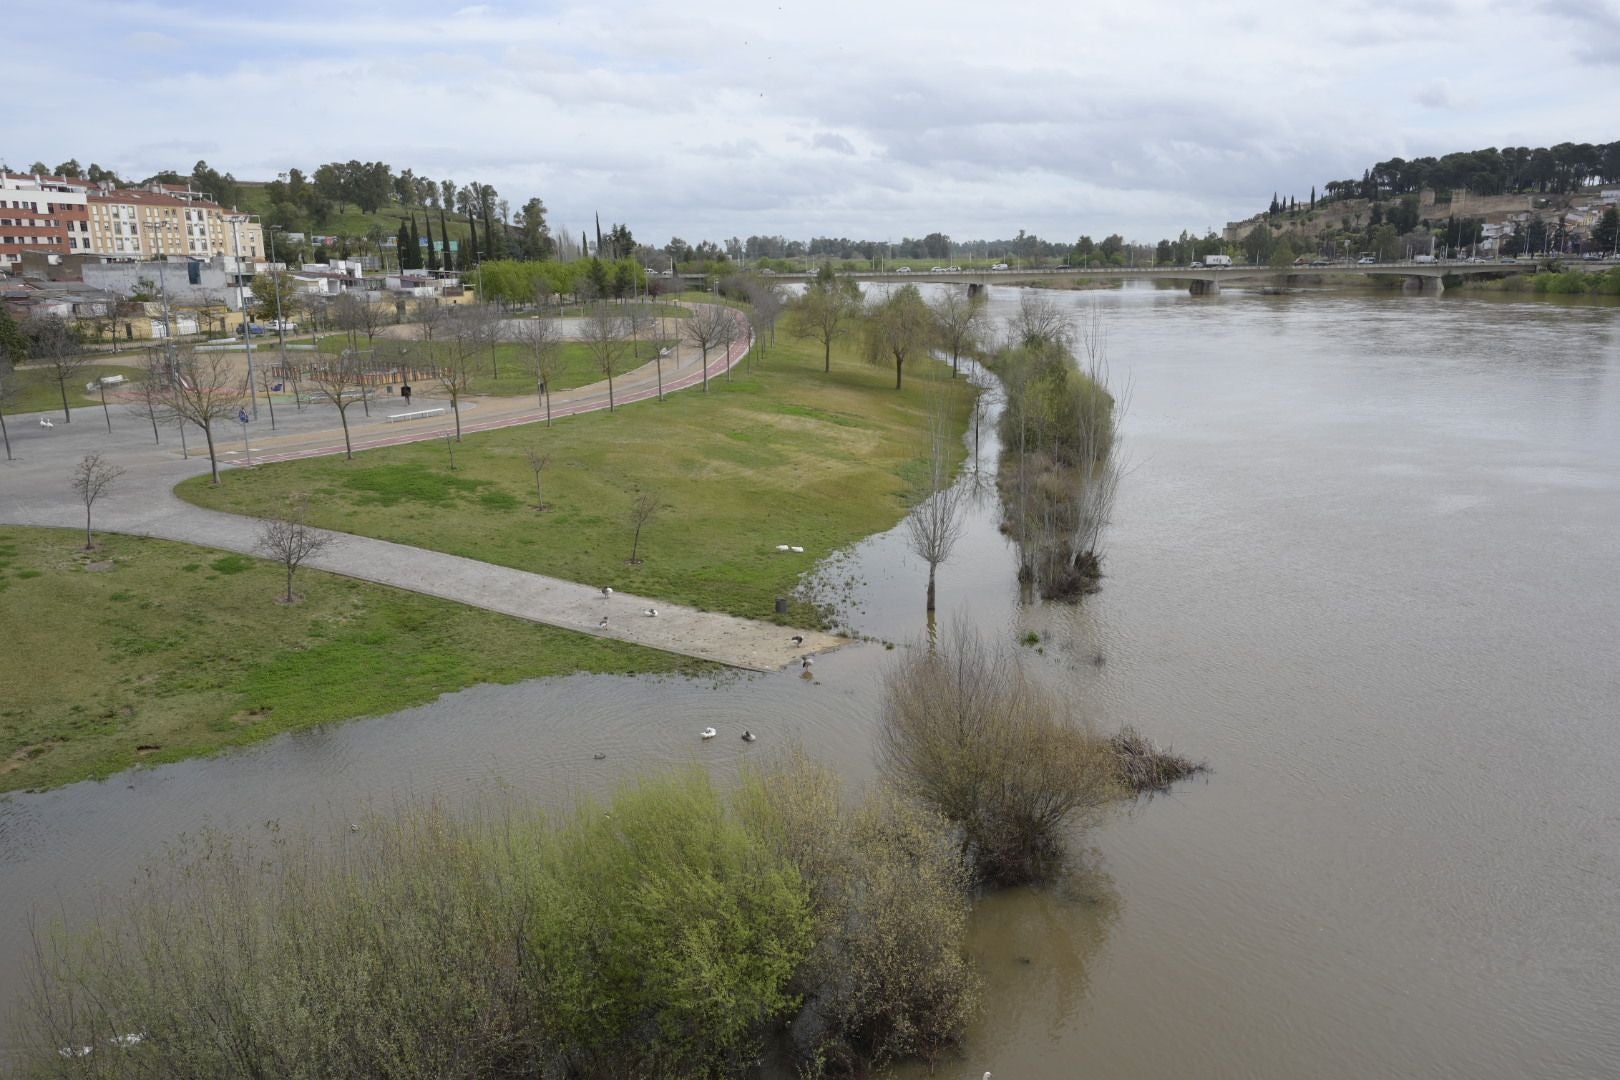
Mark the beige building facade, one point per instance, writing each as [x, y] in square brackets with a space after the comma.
[142, 223]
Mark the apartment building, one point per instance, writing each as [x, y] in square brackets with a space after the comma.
[163, 220]
[46, 214]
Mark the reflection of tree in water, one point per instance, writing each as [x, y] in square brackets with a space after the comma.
[1034, 947]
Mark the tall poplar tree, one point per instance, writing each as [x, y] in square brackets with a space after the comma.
[432, 256]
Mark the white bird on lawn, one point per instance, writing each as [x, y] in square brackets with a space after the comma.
[607, 590]
[45, 421]
[651, 613]
[707, 733]
[796, 549]
[782, 547]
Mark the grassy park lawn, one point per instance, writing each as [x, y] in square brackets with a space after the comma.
[782, 454]
[175, 651]
[579, 367]
[37, 390]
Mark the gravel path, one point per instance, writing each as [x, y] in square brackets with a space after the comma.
[34, 490]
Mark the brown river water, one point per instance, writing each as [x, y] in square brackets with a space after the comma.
[1364, 563]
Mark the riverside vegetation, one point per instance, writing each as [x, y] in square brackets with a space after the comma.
[1059, 469]
[678, 931]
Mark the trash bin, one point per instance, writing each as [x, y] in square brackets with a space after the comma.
[781, 605]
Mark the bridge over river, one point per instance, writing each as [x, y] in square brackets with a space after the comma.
[1426, 277]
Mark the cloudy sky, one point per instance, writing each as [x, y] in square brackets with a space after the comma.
[877, 119]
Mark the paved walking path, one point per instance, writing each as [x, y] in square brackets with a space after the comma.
[34, 490]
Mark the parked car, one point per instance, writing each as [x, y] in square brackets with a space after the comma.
[251, 328]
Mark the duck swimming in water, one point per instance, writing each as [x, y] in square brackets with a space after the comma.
[707, 733]
[748, 736]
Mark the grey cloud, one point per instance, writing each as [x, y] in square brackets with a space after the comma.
[827, 140]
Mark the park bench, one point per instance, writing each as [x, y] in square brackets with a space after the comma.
[419, 414]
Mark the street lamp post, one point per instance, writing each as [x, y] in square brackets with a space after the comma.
[241, 300]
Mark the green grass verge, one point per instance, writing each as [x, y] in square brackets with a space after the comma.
[782, 454]
[510, 379]
[175, 651]
[37, 390]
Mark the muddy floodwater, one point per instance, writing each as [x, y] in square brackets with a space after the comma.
[1365, 562]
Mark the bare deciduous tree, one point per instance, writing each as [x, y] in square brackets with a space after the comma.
[541, 338]
[537, 462]
[8, 393]
[205, 389]
[957, 315]
[289, 539]
[726, 335]
[91, 478]
[338, 381]
[643, 508]
[56, 347]
[765, 308]
[456, 363]
[935, 524]
[1038, 322]
[703, 329]
[605, 334]
[150, 391]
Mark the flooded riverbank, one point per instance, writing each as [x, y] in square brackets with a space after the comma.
[1361, 563]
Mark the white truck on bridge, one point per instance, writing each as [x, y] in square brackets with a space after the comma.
[1217, 260]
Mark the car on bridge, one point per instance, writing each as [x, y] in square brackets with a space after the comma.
[902, 270]
[937, 270]
[1366, 260]
[999, 266]
[953, 269]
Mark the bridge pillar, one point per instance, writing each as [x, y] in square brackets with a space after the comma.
[1424, 283]
[975, 288]
[1201, 287]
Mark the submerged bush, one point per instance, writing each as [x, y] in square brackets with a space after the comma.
[397, 955]
[887, 977]
[967, 732]
[664, 935]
